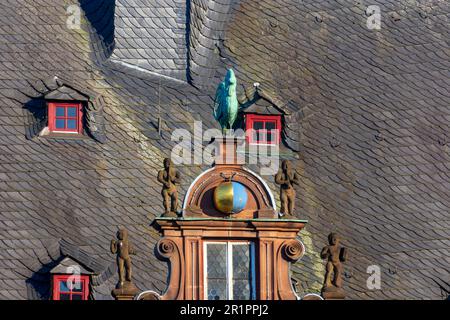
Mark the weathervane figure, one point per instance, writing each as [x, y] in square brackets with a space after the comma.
[225, 102]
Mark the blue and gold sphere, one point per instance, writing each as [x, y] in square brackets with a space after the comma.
[230, 197]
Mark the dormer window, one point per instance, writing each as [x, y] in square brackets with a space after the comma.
[263, 129]
[65, 117]
[70, 280]
[66, 111]
[70, 287]
[262, 115]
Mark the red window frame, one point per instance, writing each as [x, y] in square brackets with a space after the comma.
[57, 279]
[52, 117]
[250, 120]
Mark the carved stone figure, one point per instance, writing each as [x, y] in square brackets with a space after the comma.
[335, 255]
[169, 177]
[286, 178]
[226, 102]
[122, 247]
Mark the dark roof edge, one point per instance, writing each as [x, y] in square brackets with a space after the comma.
[102, 269]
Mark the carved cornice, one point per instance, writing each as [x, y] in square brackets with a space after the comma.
[230, 225]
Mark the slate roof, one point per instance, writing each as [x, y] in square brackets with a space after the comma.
[152, 35]
[67, 263]
[368, 113]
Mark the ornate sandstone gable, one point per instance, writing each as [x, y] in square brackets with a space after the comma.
[229, 242]
[204, 195]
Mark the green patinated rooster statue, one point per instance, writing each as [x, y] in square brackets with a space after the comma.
[225, 102]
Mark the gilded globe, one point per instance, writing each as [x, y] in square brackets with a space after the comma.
[230, 197]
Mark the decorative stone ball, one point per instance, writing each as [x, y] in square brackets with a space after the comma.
[230, 197]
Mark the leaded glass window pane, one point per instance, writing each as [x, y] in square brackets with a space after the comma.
[241, 271]
[217, 271]
[217, 260]
[229, 271]
[241, 261]
[217, 289]
[241, 289]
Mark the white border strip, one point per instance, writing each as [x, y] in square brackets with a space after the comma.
[272, 198]
[189, 190]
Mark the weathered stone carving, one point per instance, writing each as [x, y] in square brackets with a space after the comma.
[169, 177]
[286, 178]
[125, 289]
[335, 255]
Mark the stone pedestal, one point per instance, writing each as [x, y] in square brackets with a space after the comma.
[170, 214]
[333, 293]
[227, 148]
[127, 292]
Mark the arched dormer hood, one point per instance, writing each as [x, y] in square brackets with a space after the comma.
[201, 198]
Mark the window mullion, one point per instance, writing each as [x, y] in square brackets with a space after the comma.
[253, 272]
[205, 271]
[230, 270]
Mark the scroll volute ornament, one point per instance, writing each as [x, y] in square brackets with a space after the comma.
[166, 248]
[290, 251]
[170, 249]
[293, 250]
